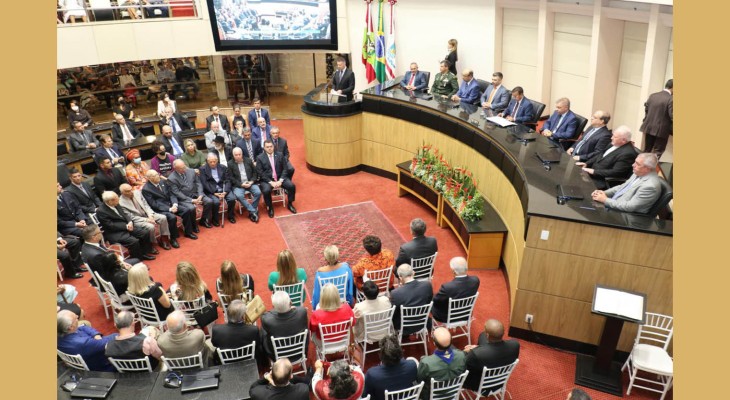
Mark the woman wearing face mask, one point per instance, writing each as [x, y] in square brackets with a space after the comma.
[162, 161]
[77, 113]
[136, 169]
[164, 102]
[123, 108]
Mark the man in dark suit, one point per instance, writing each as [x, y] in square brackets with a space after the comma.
[658, 119]
[124, 131]
[243, 180]
[68, 253]
[282, 321]
[256, 113]
[162, 200]
[561, 124]
[469, 90]
[495, 96]
[82, 139]
[410, 293]
[261, 131]
[108, 177]
[110, 150]
[492, 352]
[217, 117]
[595, 140]
[188, 189]
[217, 187]
[82, 191]
[343, 81]
[520, 108]
[119, 228]
[251, 147]
[70, 219]
[172, 141]
[615, 162]
[272, 171]
[414, 79]
[92, 252]
[235, 333]
[281, 146]
[462, 286]
[421, 246]
[176, 121]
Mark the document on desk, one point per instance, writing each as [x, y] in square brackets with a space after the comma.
[500, 121]
[618, 302]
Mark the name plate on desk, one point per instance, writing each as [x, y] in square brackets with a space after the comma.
[619, 302]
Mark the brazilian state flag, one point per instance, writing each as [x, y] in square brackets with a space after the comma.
[368, 46]
[380, 47]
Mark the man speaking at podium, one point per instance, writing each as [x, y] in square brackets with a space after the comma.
[343, 81]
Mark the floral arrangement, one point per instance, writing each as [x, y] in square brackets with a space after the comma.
[457, 185]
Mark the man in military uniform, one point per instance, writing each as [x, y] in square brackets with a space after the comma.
[445, 84]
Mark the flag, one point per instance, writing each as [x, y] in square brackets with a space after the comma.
[380, 47]
[390, 52]
[368, 45]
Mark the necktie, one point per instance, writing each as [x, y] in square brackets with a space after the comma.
[276, 144]
[216, 120]
[86, 140]
[112, 153]
[115, 211]
[250, 149]
[263, 135]
[491, 94]
[273, 168]
[582, 142]
[517, 107]
[81, 187]
[258, 114]
[625, 188]
[413, 78]
[176, 149]
[173, 124]
[560, 121]
[127, 135]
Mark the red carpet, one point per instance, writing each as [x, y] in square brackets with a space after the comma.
[542, 373]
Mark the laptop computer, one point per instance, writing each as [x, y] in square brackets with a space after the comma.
[522, 133]
[569, 192]
[389, 84]
[549, 157]
[93, 388]
[200, 380]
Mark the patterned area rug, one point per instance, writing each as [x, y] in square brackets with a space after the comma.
[307, 234]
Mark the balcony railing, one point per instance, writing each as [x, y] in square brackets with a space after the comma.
[71, 12]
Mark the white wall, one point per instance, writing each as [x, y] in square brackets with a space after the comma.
[519, 48]
[628, 93]
[571, 62]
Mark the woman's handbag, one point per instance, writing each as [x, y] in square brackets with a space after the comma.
[206, 315]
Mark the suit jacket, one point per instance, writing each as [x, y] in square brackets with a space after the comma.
[458, 288]
[232, 336]
[566, 130]
[68, 213]
[235, 174]
[102, 182]
[91, 350]
[282, 325]
[112, 222]
[281, 146]
[659, 116]
[263, 167]
[525, 113]
[227, 152]
[500, 100]
[413, 293]
[469, 93]
[346, 84]
[420, 82]
[421, 246]
[616, 164]
[224, 125]
[168, 144]
[160, 200]
[210, 135]
[128, 205]
[256, 134]
[118, 135]
[252, 117]
[185, 190]
[598, 142]
[101, 152]
[641, 194]
[255, 146]
[182, 122]
[235, 119]
[490, 355]
[186, 343]
[92, 255]
[209, 183]
[88, 202]
[79, 140]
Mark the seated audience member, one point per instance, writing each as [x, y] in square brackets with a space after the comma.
[261, 131]
[639, 193]
[216, 116]
[495, 96]
[108, 178]
[462, 286]
[287, 272]
[177, 123]
[81, 138]
[280, 384]
[595, 140]
[165, 100]
[78, 114]
[273, 173]
[87, 199]
[445, 83]
[342, 381]
[492, 352]
[393, 373]
[172, 141]
[217, 187]
[141, 285]
[237, 116]
[281, 146]
[179, 341]
[520, 109]
[237, 132]
[99, 258]
[214, 132]
[377, 258]
[188, 285]
[161, 199]
[162, 161]
[193, 158]
[83, 340]
[128, 345]
[372, 303]
[414, 79]
[283, 320]
[421, 245]
[110, 150]
[251, 147]
[188, 190]
[68, 252]
[561, 124]
[410, 293]
[235, 333]
[444, 364]
[333, 268]
[70, 218]
[135, 204]
[613, 163]
[233, 284]
[469, 90]
[257, 112]
[578, 394]
[72, 10]
[331, 310]
[63, 305]
[124, 130]
[243, 180]
[119, 228]
[115, 271]
[223, 153]
[136, 169]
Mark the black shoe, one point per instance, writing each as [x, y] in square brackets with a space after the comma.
[75, 276]
[154, 251]
[163, 244]
[82, 269]
[216, 223]
[175, 244]
[191, 236]
[196, 229]
[254, 217]
[232, 220]
[271, 213]
[148, 257]
[291, 208]
[206, 224]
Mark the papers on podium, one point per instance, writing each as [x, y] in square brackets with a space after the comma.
[618, 302]
[500, 121]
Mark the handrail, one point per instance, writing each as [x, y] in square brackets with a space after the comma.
[87, 8]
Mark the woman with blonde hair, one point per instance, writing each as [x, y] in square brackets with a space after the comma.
[232, 283]
[192, 157]
[141, 285]
[286, 272]
[452, 57]
[188, 285]
[334, 268]
[331, 311]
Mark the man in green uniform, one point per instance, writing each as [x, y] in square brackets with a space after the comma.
[445, 84]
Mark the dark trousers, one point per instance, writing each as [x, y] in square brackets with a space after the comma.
[186, 211]
[137, 241]
[286, 184]
[654, 144]
[70, 257]
[216, 203]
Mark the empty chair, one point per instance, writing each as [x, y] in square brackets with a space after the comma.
[146, 312]
[537, 109]
[411, 393]
[295, 291]
[459, 316]
[415, 320]
[423, 267]
[428, 78]
[493, 382]
[650, 355]
[292, 347]
[334, 338]
[132, 365]
[447, 390]
[229, 356]
[73, 361]
[194, 361]
[376, 325]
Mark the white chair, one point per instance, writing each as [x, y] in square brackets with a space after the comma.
[381, 277]
[493, 382]
[459, 316]
[229, 356]
[73, 361]
[292, 347]
[59, 269]
[146, 312]
[650, 355]
[376, 325]
[447, 390]
[423, 267]
[411, 393]
[115, 247]
[226, 300]
[189, 307]
[116, 301]
[334, 338]
[133, 365]
[295, 291]
[104, 298]
[278, 195]
[194, 361]
[365, 398]
[415, 318]
[340, 282]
